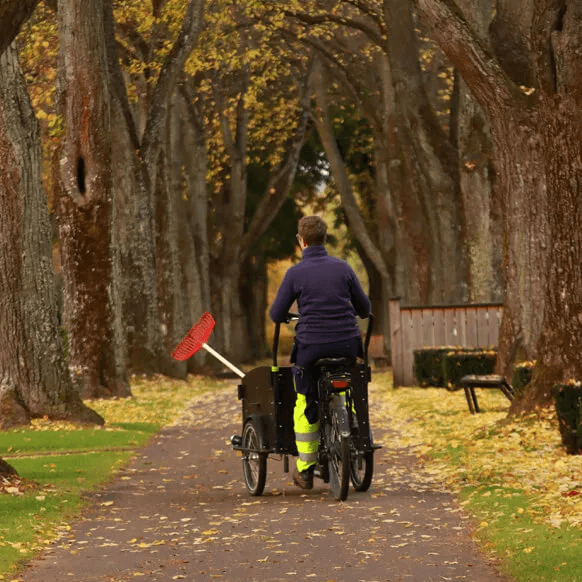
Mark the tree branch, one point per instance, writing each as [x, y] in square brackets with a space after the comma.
[281, 178]
[341, 178]
[185, 43]
[367, 9]
[349, 80]
[13, 14]
[117, 82]
[226, 132]
[311, 19]
[483, 74]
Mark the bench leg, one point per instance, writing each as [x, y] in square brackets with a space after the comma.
[469, 399]
[508, 393]
[474, 397]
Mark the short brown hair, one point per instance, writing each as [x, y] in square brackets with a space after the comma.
[313, 230]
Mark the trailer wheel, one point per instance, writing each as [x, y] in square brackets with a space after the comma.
[254, 462]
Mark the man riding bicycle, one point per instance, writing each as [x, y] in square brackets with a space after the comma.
[329, 296]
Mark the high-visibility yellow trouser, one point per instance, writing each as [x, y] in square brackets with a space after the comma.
[306, 435]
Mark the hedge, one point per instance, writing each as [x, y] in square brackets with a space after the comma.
[568, 400]
[428, 365]
[460, 363]
[446, 365]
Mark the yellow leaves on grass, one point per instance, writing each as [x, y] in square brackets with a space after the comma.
[47, 425]
[14, 485]
[162, 401]
[487, 449]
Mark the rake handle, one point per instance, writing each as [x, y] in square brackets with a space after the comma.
[223, 360]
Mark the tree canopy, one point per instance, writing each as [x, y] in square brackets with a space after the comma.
[178, 164]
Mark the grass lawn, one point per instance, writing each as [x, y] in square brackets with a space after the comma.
[59, 461]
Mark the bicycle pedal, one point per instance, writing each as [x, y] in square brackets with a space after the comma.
[321, 473]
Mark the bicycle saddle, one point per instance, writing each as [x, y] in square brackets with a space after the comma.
[346, 361]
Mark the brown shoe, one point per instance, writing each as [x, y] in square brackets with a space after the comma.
[303, 479]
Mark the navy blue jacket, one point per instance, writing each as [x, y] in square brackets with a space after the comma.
[328, 296]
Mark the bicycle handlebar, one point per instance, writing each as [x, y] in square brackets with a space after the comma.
[292, 316]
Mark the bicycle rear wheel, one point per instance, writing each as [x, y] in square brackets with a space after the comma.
[254, 463]
[338, 459]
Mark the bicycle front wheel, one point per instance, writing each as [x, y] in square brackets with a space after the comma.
[338, 459]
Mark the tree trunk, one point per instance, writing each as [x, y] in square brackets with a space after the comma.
[560, 342]
[537, 142]
[349, 203]
[375, 293]
[34, 379]
[418, 205]
[431, 196]
[232, 325]
[557, 40]
[172, 301]
[83, 201]
[193, 206]
[136, 157]
[254, 290]
[522, 188]
[481, 204]
[233, 242]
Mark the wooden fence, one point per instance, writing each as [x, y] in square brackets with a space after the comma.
[411, 328]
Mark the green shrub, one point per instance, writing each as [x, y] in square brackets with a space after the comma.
[568, 400]
[428, 365]
[462, 362]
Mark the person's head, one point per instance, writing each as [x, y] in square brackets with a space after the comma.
[313, 230]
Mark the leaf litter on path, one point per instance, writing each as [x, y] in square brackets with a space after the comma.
[180, 509]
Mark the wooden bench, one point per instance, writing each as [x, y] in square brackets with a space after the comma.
[470, 382]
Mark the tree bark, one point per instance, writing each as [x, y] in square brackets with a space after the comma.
[34, 379]
[13, 14]
[83, 202]
[557, 42]
[481, 205]
[536, 134]
[135, 230]
[194, 236]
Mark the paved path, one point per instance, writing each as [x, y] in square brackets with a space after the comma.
[179, 511]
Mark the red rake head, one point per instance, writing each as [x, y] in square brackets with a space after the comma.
[194, 339]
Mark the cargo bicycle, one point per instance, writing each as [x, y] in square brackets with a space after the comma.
[346, 447]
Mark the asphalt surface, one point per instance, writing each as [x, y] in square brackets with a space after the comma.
[179, 511]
